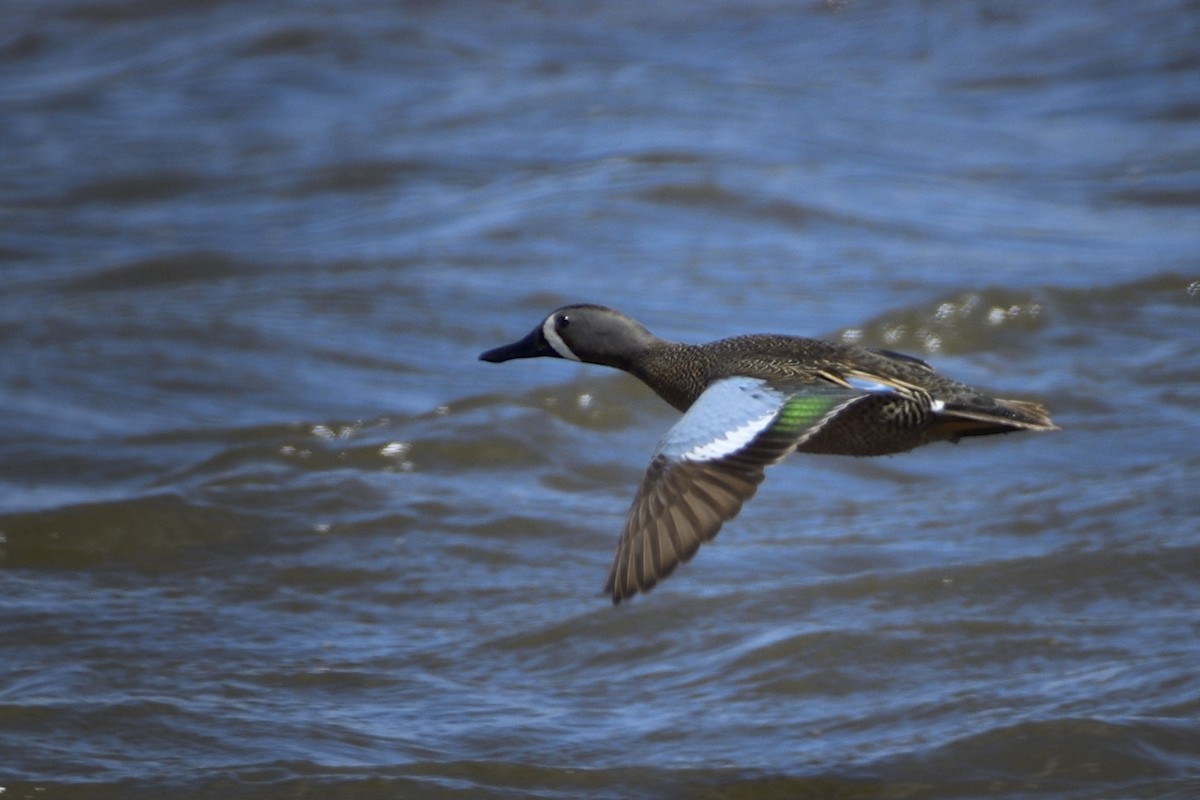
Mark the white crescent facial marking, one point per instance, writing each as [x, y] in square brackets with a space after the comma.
[556, 341]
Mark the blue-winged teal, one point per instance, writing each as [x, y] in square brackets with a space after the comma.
[749, 401]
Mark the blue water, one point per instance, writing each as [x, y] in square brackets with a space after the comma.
[268, 528]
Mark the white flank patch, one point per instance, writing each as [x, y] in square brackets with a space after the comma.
[556, 341]
[731, 442]
[938, 406]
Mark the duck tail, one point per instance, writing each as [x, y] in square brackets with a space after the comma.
[1005, 416]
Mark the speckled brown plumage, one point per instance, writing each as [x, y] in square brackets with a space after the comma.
[818, 397]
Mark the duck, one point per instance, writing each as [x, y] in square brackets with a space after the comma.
[748, 402]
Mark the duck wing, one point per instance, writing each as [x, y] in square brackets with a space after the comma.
[710, 463]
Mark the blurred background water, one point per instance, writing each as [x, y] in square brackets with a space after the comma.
[269, 529]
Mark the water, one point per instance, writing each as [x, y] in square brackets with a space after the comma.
[269, 529]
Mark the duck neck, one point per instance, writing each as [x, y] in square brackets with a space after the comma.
[677, 372]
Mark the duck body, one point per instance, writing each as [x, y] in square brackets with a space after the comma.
[908, 404]
[748, 402]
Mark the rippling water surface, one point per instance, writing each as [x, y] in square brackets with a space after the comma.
[269, 529]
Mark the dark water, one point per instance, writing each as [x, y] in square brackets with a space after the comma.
[268, 529]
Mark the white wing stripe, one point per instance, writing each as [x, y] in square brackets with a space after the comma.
[731, 442]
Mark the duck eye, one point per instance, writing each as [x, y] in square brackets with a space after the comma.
[562, 322]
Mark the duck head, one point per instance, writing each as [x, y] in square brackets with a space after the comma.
[581, 332]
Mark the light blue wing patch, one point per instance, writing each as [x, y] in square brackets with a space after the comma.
[735, 412]
[868, 385]
[724, 419]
